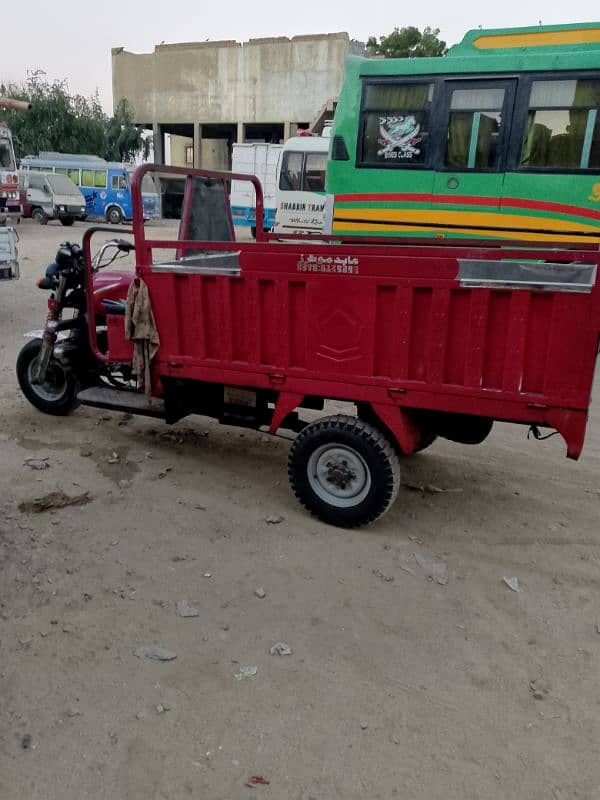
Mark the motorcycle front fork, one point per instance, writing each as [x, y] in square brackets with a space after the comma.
[49, 335]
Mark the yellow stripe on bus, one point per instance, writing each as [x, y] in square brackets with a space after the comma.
[537, 39]
[479, 219]
[491, 233]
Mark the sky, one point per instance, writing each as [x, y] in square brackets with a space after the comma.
[72, 40]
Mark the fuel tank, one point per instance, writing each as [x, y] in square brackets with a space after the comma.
[110, 285]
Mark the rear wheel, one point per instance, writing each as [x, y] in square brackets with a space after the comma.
[114, 215]
[58, 394]
[344, 470]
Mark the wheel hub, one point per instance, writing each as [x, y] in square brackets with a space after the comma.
[54, 385]
[339, 475]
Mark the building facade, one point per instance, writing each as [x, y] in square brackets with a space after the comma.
[200, 97]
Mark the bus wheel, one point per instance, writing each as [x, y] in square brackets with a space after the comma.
[344, 470]
[114, 215]
[38, 215]
[253, 231]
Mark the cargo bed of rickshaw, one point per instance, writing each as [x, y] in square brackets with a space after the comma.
[426, 337]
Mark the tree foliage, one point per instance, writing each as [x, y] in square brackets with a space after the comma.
[123, 138]
[408, 42]
[70, 123]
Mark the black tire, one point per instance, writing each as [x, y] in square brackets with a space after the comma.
[114, 215]
[38, 215]
[67, 221]
[253, 231]
[342, 451]
[58, 396]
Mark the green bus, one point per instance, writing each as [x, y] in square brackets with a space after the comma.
[500, 138]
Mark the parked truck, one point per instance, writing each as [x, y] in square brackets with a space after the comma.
[10, 203]
[260, 159]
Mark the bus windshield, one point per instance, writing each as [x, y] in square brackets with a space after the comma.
[7, 160]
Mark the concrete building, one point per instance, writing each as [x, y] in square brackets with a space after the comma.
[207, 95]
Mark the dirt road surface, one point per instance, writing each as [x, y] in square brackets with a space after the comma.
[398, 686]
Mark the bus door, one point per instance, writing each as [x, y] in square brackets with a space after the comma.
[468, 185]
[554, 180]
[120, 190]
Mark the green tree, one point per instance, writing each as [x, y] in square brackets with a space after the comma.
[69, 123]
[408, 42]
[123, 138]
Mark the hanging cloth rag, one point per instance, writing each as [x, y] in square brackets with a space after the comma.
[140, 328]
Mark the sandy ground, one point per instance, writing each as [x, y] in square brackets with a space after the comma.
[398, 686]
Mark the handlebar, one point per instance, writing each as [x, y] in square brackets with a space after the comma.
[120, 245]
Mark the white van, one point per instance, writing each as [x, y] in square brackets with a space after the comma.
[47, 195]
[302, 205]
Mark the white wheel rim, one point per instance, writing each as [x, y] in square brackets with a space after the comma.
[339, 475]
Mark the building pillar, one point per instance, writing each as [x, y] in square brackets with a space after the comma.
[159, 144]
[240, 132]
[287, 128]
[198, 146]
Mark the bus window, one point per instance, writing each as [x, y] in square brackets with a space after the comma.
[100, 179]
[87, 177]
[74, 175]
[563, 125]
[396, 124]
[474, 128]
[119, 182]
[290, 179]
[314, 172]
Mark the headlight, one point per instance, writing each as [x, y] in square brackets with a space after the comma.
[63, 208]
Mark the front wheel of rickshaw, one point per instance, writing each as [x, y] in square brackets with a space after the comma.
[58, 394]
[344, 470]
